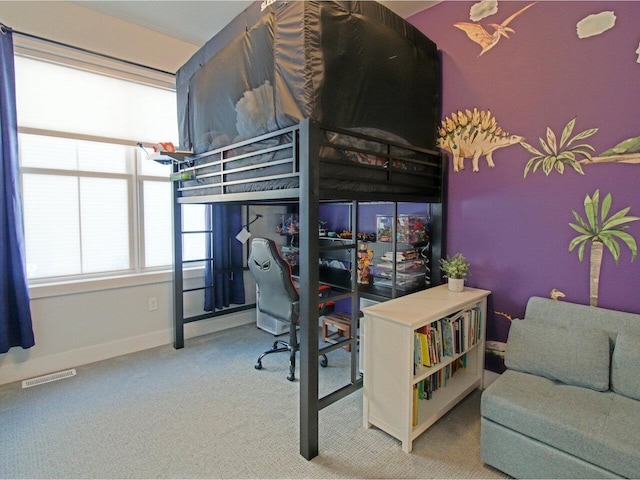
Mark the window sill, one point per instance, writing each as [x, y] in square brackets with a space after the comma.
[57, 289]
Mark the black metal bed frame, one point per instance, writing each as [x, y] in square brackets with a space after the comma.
[315, 177]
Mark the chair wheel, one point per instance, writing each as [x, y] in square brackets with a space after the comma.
[258, 366]
[324, 362]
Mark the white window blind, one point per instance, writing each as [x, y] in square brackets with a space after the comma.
[157, 202]
[194, 244]
[77, 204]
[52, 231]
[64, 99]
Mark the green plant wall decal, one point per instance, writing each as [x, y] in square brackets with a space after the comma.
[600, 231]
[556, 155]
[627, 151]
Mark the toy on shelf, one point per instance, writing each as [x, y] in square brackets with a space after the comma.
[365, 256]
[167, 147]
[410, 269]
[409, 228]
[288, 224]
[165, 153]
[322, 232]
[290, 254]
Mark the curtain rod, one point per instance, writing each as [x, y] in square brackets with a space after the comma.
[4, 28]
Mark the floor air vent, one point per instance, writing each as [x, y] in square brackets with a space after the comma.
[52, 377]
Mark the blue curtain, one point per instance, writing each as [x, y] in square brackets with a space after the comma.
[228, 287]
[15, 314]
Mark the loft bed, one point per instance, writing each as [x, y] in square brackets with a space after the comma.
[302, 103]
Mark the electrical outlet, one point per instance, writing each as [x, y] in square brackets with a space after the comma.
[153, 304]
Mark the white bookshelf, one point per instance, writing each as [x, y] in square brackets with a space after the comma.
[390, 378]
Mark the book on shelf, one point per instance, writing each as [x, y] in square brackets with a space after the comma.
[417, 353]
[438, 340]
[424, 348]
[448, 347]
[465, 331]
[424, 389]
[401, 256]
[462, 362]
[461, 331]
[421, 390]
[415, 405]
[446, 338]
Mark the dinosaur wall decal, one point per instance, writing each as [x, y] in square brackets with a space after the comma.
[485, 39]
[472, 134]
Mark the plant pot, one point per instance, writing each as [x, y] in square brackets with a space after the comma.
[456, 284]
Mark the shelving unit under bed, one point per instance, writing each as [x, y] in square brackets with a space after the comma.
[307, 164]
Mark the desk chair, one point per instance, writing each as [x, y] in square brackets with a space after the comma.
[279, 298]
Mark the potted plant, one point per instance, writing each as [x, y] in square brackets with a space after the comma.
[455, 269]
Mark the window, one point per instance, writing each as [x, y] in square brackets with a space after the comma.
[79, 207]
[93, 204]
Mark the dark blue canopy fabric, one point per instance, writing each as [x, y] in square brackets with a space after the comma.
[15, 313]
[346, 64]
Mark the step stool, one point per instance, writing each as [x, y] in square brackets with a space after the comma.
[341, 322]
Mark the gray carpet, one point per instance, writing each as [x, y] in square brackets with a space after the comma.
[205, 412]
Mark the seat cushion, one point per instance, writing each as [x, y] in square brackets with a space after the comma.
[574, 355]
[602, 428]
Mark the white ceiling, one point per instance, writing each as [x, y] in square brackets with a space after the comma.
[198, 21]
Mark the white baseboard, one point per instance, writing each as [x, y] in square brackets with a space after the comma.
[21, 370]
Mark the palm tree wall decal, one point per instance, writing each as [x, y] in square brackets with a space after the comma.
[601, 231]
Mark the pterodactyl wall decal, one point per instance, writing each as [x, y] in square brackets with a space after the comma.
[483, 38]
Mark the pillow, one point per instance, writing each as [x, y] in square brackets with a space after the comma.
[625, 365]
[256, 113]
[573, 355]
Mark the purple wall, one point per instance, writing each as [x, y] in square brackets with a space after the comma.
[515, 230]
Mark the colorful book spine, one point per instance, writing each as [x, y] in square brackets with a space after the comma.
[440, 341]
[424, 389]
[415, 405]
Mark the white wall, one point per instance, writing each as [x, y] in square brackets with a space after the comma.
[90, 321]
[78, 328]
[79, 26]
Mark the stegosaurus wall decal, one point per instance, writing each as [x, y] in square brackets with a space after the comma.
[473, 134]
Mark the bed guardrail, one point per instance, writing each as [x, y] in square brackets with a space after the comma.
[268, 167]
